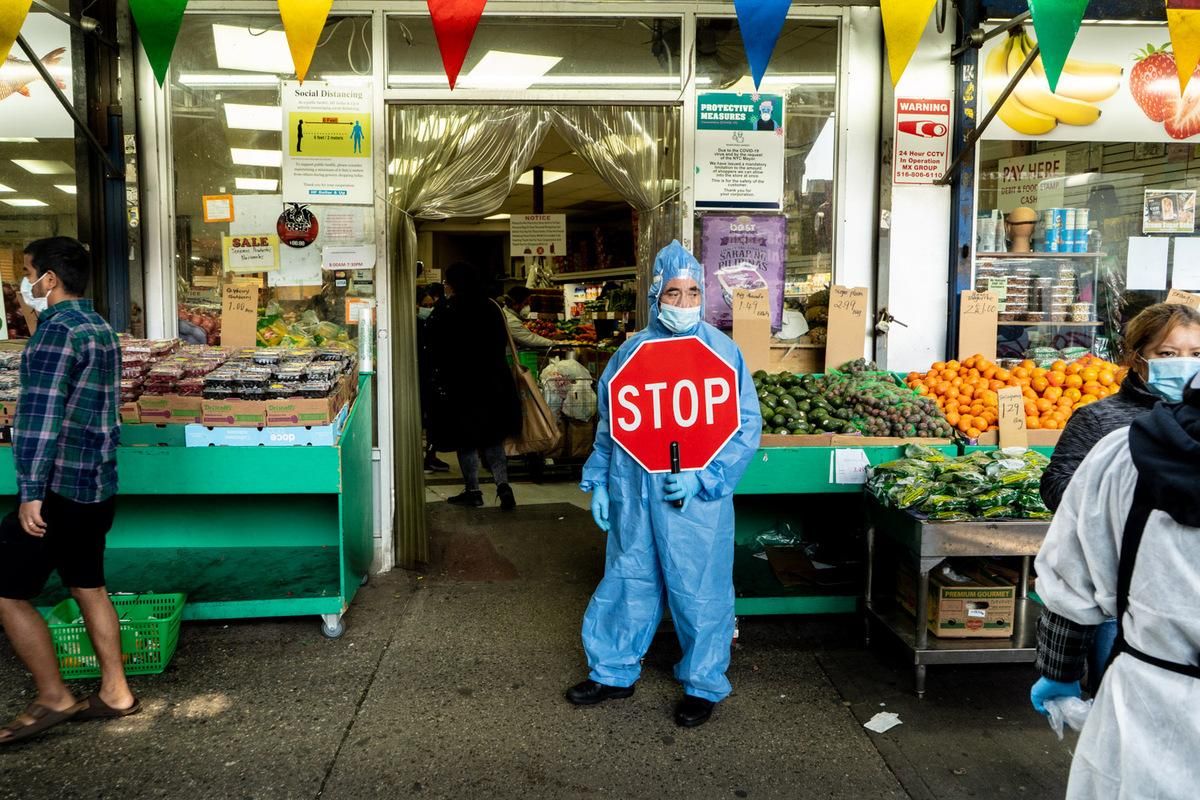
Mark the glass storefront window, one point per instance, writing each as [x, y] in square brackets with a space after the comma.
[227, 139]
[548, 53]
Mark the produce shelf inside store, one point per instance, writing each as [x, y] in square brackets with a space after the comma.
[594, 275]
[1052, 324]
[616, 315]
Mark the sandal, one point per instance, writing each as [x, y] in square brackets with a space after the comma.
[95, 708]
[43, 719]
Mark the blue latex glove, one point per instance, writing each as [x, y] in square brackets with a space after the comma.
[683, 486]
[1046, 689]
[600, 507]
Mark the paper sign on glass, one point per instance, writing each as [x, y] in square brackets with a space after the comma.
[347, 258]
[218, 207]
[1185, 272]
[251, 253]
[1147, 264]
[1182, 298]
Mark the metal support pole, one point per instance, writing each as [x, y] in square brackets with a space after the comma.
[977, 38]
[85, 24]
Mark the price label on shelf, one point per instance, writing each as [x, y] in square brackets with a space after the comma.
[978, 320]
[848, 317]
[1182, 298]
[239, 315]
[752, 326]
[1013, 432]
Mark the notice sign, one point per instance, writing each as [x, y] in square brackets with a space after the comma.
[538, 235]
[327, 159]
[1035, 181]
[1182, 298]
[250, 253]
[922, 141]
[739, 151]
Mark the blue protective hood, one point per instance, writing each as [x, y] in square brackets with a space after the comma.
[673, 261]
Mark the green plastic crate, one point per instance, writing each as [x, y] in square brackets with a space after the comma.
[149, 634]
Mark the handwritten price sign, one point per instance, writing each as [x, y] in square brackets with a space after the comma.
[847, 325]
[1013, 432]
[751, 304]
[239, 315]
[978, 321]
[1182, 298]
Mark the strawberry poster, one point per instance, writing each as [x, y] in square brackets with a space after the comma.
[1121, 83]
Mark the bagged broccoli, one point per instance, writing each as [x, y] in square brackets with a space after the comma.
[910, 492]
[944, 502]
[1031, 501]
[1037, 515]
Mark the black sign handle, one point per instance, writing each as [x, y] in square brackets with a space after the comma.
[675, 469]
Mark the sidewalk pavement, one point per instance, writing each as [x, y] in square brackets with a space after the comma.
[449, 685]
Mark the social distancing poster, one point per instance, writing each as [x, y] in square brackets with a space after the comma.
[327, 158]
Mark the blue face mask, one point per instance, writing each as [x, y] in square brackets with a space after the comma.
[424, 313]
[1168, 377]
[679, 320]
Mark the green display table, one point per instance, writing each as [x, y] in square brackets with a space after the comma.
[243, 531]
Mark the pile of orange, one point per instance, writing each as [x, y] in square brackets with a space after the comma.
[966, 391]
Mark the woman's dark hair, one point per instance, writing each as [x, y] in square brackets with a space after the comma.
[436, 291]
[464, 279]
[519, 294]
[422, 293]
[66, 258]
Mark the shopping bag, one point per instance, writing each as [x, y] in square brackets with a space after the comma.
[539, 428]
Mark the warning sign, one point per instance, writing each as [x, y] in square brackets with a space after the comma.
[922, 140]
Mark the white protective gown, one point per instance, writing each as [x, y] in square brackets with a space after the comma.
[1142, 738]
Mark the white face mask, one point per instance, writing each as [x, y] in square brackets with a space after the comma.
[526, 312]
[679, 320]
[38, 304]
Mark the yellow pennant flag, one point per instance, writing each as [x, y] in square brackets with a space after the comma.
[12, 17]
[1183, 20]
[903, 23]
[303, 21]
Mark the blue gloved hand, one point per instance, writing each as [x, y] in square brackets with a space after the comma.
[1046, 689]
[600, 507]
[683, 486]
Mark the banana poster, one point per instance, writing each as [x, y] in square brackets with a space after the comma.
[327, 157]
[1120, 84]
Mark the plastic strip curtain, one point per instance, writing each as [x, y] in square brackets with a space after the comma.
[635, 149]
[446, 161]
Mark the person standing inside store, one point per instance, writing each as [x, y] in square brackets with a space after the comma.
[65, 437]
[1159, 345]
[518, 298]
[476, 406]
[426, 301]
[1125, 543]
[653, 545]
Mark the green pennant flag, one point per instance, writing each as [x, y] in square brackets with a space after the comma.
[1057, 24]
[158, 23]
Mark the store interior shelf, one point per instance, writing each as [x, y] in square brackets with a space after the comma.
[594, 275]
[1038, 255]
[1021, 647]
[759, 592]
[1053, 324]
[617, 315]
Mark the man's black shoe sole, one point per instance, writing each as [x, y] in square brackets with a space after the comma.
[619, 694]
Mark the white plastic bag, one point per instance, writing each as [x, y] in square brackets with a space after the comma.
[1070, 710]
[567, 387]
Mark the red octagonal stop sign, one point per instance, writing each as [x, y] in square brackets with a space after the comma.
[673, 390]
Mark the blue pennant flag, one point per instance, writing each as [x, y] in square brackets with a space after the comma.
[761, 22]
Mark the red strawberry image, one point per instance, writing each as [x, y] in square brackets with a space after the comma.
[1184, 120]
[1154, 82]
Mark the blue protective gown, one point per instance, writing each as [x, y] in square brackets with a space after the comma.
[653, 545]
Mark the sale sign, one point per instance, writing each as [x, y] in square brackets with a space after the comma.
[251, 253]
[922, 148]
[674, 390]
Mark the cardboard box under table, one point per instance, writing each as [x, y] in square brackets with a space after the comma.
[981, 607]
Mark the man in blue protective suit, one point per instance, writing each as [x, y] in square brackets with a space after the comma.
[653, 545]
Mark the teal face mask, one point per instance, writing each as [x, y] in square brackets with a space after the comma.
[1168, 377]
[679, 320]
[424, 313]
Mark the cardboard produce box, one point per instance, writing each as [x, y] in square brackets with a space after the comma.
[170, 409]
[234, 413]
[130, 414]
[982, 608]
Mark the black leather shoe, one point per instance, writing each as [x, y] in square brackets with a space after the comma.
[505, 493]
[473, 499]
[693, 711]
[435, 464]
[589, 693]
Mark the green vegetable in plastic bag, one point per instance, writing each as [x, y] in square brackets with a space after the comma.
[944, 502]
[957, 466]
[905, 467]
[925, 453]
[967, 478]
[950, 516]
[1031, 501]
[1000, 512]
[910, 492]
[994, 499]
[1035, 459]
[1037, 515]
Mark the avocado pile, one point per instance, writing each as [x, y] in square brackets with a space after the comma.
[855, 399]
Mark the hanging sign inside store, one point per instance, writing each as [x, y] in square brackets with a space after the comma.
[847, 331]
[28, 107]
[742, 252]
[351, 257]
[739, 151]
[922, 140]
[752, 326]
[327, 159]
[257, 253]
[978, 321]
[1037, 181]
[675, 390]
[538, 235]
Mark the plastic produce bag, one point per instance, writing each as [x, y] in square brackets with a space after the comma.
[943, 502]
[781, 535]
[567, 388]
[924, 453]
[1072, 711]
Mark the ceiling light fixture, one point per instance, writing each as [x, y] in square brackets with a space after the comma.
[44, 167]
[234, 80]
[256, 184]
[252, 49]
[24, 203]
[548, 177]
[256, 158]
[499, 69]
[4, 188]
[17, 140]
[498, 217]
[69, 188]
[253, 118]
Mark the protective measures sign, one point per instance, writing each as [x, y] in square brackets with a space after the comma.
[739, 151]
[328, 155]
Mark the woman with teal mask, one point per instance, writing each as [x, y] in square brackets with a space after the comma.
[1162, 352]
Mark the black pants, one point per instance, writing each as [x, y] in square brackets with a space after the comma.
[76, 534]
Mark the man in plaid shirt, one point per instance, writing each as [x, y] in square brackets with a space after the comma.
[65, 445]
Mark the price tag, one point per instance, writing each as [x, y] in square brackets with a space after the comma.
[999, 287]
[978, 320]
[1013, 432]
[1182, 298]
[239, 315]
[848, 317]
[752, 326]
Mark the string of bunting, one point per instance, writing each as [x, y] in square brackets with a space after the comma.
[761, 22]
[1183, 20]
[12, 17]
[904, 23]
[1056, 23]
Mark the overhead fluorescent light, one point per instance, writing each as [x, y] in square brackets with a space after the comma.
[253, 118]
[548, 177]
[499, 216]
[233, 80]
[44, 167]
[637, 81]
[256, 184]
[24, 203]
[4, 188]
[256, 158]
[251, 49]
[499, 69]
[17, 140]
[69, 188]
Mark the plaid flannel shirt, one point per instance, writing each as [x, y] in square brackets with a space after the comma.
[67, 424]
[1062, 647]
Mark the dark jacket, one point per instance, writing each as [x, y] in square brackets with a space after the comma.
[1088, 426]
[475, 400]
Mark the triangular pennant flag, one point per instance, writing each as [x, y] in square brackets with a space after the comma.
[303, 22]
[904, 23]
[1183, 20]
[454, 23]
[1057, 24]
[12, 17]
[761, 22]
[158, 24]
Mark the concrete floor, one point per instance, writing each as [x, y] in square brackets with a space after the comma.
[448, 685]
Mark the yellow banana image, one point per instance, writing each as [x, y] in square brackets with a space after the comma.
[1039, 98]
[1088, 81]
[1013, 113]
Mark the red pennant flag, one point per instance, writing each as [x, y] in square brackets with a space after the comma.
[454, 23]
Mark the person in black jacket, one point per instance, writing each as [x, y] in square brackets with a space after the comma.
[476, 405]
[1161, 331]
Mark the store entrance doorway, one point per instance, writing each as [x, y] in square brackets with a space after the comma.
[602, 183]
